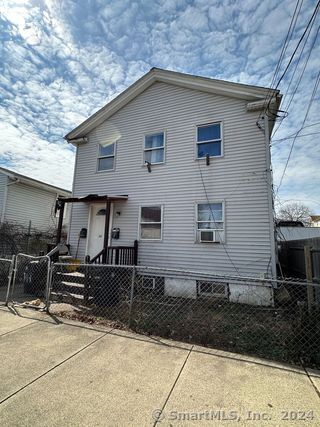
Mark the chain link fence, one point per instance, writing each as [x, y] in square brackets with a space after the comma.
[277, 319]
[30, 284]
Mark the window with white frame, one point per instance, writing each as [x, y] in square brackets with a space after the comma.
[148, 282]
[151, 222]
[209, 140]
[154, 148]
[106, 157]
[214, 289]
[210, 222]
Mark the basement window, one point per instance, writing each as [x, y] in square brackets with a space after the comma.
[148, 282]
[106, 157]
[213, 289]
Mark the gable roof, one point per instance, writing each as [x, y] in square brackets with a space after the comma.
[34, 182]
[254, 94]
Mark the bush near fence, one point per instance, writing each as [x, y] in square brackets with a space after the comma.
[16, 238]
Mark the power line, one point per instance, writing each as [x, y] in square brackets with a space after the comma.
[286, 108]
[313, 94]
[283, 51]
[316, 9]
[294, 134]
[277, 141]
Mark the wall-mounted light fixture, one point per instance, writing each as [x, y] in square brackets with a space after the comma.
[118, 213]
[207, 159]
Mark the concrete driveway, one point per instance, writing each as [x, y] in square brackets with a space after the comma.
[63, 373]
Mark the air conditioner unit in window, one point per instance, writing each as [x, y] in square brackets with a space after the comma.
[209, 236]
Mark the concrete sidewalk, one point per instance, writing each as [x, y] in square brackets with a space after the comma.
[64, 373]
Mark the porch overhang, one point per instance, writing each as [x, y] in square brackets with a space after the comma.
[90, 198]
[93, 198]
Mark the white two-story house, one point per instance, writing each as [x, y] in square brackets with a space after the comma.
[180, 164]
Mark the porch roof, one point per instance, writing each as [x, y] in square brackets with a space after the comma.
[93, 198]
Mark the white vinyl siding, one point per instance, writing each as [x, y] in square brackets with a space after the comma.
[239, 178]
[3, 185]
[26, 203]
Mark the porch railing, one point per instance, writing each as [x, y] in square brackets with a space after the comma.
[116, 255]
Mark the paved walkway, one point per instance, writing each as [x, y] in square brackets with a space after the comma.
[63, 373]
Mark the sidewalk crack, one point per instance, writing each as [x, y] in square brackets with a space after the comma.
[159, 414]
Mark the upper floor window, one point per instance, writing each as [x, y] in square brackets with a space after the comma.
[209, 140]
[154, 148]
[106, 157]
[151, 222]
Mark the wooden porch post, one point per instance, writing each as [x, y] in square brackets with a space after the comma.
[106, 233]
[60, 222]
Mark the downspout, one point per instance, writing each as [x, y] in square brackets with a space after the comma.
[273, 246]
[5, 198]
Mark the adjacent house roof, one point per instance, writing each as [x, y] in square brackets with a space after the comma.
[34, 182]
[256, 96]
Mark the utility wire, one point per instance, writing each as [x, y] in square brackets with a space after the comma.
[316, 9]
[277, 141]
[294, 134]
[286, 108]
[282, 53]
[313, 94]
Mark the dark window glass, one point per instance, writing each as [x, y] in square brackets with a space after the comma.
[151, 214]
[106, 151]
[210, 148]
[208, 133]
[105, 163]
[154, 141]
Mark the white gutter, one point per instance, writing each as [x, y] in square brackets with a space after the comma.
[77, 141]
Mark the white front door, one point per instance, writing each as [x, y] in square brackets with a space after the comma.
[96, 226]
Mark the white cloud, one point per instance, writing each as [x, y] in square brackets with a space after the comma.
[64, 60]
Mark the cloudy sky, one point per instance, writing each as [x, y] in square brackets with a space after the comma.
[63, 60]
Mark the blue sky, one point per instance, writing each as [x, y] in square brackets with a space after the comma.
[63, 60]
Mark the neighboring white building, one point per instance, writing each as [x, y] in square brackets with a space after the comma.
[286, 233]
[24, 200]
[188, 210]
[315, 220]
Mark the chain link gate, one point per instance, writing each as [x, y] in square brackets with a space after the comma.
[30, 282]
[6, 272]
[91, 291]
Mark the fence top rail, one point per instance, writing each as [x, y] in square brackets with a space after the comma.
[198, 274]
[33, 257]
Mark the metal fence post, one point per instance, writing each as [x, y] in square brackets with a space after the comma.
[131, 294]
[308, 264]
[10, 278]
[48, 284]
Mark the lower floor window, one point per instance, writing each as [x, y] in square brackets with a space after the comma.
[210, 222]
[151, 222]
